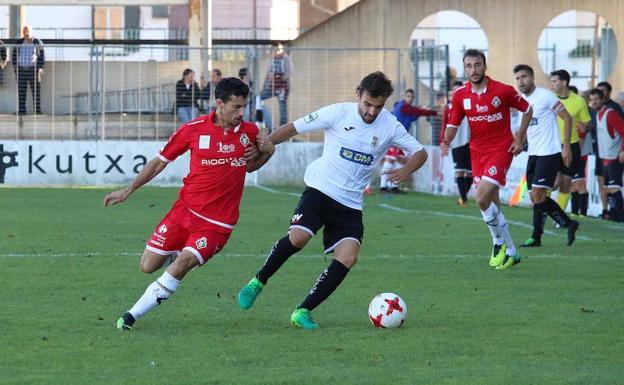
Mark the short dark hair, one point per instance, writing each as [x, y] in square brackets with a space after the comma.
[597, 91]
[217, 71]
[186, 72]
[229, 87]
[605, 85]
[458, 83]
[242, 72]
[562, 75]
[472, 52]
[409, 91]
[523, 67]
[375, 84]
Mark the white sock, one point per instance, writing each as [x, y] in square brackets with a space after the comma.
[156, 292]
[387, 166]
[502, 223]
[490, 217]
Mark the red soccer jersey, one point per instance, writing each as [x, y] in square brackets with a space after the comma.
[214, 186]
[488, 114]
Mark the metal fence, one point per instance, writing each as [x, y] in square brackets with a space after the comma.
[108, 92]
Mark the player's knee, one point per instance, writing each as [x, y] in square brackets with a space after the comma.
[148, 266]
[298, 238]
[349, 260]
[483, 201]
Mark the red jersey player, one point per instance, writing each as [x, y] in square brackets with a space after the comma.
[223, 148]
[486, 103]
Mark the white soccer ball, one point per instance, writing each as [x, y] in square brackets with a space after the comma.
[387, 310]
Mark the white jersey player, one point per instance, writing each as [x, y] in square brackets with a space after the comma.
[545, 153]
[357, 135]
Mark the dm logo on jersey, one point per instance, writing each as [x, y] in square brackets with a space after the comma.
[201, 243]
[492, 170]
[313, 116]
[244, 139]
[375, 141]
[162, 229]
[356, 156]
[496, 102]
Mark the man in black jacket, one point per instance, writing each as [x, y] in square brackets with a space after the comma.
[28, 59]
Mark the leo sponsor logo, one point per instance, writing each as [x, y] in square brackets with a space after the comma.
[482, 108]
[234, 162]
[487, 118]
[296, 218]
[226, 148]
[356, 156]
[201, 243]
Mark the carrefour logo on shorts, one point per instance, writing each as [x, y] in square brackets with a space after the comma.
[356, 156]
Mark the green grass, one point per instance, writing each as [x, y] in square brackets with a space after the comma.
[69, 268]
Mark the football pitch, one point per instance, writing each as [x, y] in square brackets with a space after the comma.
[69, 268]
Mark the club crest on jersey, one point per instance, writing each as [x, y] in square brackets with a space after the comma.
[375, 141]
[244, 139]
[356, 156]
[492, 170]
[496, 102]
[201, 243]
[310, 118]
[204, 142]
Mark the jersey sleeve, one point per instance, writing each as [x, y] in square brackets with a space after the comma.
[616, 122]
[583, 115]
[406, 142]
[554, 103]
[177, 145]
[320, 119]
[456, 111]
[516, 100]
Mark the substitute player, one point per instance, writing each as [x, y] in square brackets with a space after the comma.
[546, 155]
[357, 135]
[486, 103]
[460, 150]
[610, 131]
[200, 222]
[572, 177]
[393, 160]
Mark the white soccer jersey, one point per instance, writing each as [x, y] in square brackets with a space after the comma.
[351, 150]
[463, 135]
[543, 131]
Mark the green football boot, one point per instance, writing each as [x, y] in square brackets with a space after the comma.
[498, 254]
[125, 322]
[509, 262]
[248, 294]
[303, 318]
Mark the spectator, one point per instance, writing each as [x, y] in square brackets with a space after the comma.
[187, 96]
[3, 61]
[28, 59]
[620, 99]
[606, 89]
[204, 96]
[215, 77]
[243, 74]
[277, 81]
[406, 113]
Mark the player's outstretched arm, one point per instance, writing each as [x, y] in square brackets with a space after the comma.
[283, 133]
[413, 163]
[149, 172]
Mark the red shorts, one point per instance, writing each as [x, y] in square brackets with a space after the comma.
[182, 230]
[394, 153]
[491, 166]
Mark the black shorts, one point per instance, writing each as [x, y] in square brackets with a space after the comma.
[598, 167]
[542, 170]
[316, 210]
[576, 170]
[461, 158]
[613, 174]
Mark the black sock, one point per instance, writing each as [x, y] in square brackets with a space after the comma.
[461, 186]
[616, 205]
[583, 203]
[539, 219]
[575, 203]
[556, 213]
[281, 251]
[468, 181]
[326, 283]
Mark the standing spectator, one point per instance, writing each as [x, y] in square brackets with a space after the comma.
[187, 96]
[204, 97]
[28, 59]
[3, 61]
[277, 81]
[215, 77]
[406, 113]
[245, 77]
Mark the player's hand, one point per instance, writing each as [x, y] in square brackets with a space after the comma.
[398, 176]
[444, 147]
[621, 157]
[251, 153]
[566, 153]
[516, 147]
[116, 197]
[264, 144]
